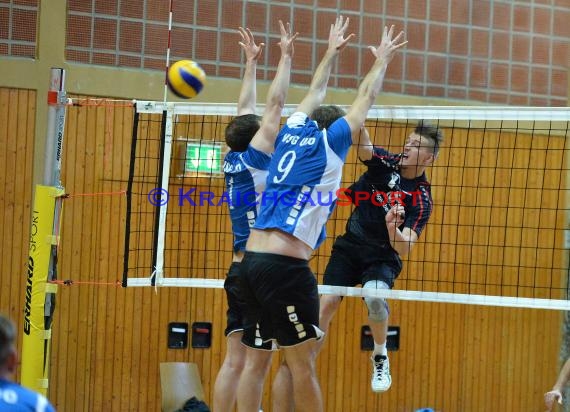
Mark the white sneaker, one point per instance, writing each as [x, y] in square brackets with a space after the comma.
[381, 379]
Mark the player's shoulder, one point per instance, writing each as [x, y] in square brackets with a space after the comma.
[232, 156]
[297, 119]
[340, 129]
[423, 187]
[24, 397]
[380, 152]
[255, 157]
[423, 184]
[382, 157]
[235, 162]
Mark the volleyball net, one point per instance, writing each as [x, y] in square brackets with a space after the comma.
[498, 233]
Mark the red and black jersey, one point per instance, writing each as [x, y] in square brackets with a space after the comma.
[378, 190]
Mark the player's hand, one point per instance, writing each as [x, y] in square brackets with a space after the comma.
[337, 41]
[395, 215]
[287, 39]
[550, 398]
[247, 43]
[388, 46]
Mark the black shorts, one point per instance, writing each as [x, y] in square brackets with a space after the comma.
[354, 263]
[235, 302]
[281, 300]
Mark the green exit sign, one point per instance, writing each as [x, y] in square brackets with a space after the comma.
[203, 157]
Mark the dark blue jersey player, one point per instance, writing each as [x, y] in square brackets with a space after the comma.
[379, 189]
[392, 205]
[280, 290]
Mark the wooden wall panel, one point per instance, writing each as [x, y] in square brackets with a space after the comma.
[108, 341]
[17, 128]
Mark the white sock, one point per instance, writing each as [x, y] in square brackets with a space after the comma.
[380, 349]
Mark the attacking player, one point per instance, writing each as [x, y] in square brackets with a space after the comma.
[392, 206]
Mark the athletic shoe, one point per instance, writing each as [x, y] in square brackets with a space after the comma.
[381, 379]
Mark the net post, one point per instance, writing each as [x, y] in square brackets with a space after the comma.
[55, 127]
[44, 239]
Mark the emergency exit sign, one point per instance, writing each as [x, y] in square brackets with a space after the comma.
[203, 157]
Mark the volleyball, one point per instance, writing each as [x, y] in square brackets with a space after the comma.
[186, 78]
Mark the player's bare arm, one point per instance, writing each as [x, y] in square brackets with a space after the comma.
[372, 83]
[248, 96]
[402, 240]
[361, 139]
[264, 139]
[318, 88]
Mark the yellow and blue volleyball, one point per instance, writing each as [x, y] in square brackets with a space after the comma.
[186, 78]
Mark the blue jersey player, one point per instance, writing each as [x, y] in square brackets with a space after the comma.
[13, 397]
[251, 140]
[280, 290]
[392, 205]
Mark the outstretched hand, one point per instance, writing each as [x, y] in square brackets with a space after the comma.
[388, 46]
[337, 41]
[287, 39]
[247, 43]
[550, 398]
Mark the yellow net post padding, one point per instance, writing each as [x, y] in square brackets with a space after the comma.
[37, 336]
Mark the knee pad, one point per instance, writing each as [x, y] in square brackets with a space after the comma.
[377, 307]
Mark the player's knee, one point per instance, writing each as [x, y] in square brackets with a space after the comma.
[329, 304]
[377, 307]
[328, 307]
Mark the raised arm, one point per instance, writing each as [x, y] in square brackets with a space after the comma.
[318, 88]
[247, 96]
[363, 144]
[372, 83]
[264, 139]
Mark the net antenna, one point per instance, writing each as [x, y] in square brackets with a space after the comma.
[167, 62]
[497, 235]
[164, 171]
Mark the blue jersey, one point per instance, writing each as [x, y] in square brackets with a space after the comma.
[15, 398]
[245, 175]
[304, 177]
